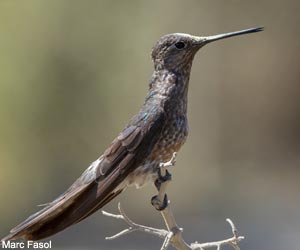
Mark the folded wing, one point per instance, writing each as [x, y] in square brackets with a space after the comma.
[99, 184]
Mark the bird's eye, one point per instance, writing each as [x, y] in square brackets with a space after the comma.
[180, 45]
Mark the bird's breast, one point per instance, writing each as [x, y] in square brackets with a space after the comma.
[173, 136]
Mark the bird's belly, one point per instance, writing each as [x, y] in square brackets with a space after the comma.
[142, 175]
[172, 138]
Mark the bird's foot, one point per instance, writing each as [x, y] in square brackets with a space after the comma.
[162, 178]
[164, 175]
[159, 204]
[160, 201]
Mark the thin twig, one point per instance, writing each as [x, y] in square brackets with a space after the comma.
[162, 233]
[233, 241]
[169, 163]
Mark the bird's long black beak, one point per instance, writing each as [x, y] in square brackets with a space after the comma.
[208, 39]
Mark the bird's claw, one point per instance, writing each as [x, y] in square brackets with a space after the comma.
[169, 163]
[158, 204]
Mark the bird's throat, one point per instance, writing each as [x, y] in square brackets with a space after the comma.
[169, 90]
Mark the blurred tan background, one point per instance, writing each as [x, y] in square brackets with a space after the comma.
[72, 73]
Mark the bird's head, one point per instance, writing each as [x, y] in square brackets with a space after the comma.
[176, 51]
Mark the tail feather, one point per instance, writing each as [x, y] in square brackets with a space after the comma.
[61, 213]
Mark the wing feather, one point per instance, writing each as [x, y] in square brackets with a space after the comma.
[98, 184]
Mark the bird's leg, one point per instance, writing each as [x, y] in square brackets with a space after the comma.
[162, 204]
[160, 201]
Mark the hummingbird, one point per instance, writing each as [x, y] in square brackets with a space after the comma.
[151, 137]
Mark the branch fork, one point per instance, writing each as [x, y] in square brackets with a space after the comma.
[173, 234]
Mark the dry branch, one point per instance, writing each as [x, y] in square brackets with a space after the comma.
[173, 234]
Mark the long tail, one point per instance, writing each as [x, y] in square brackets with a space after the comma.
[70, 208]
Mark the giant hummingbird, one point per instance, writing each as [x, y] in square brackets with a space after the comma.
[158, 130]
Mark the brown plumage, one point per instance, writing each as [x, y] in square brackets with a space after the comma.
[159, 129]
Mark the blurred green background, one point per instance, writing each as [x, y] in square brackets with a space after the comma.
[72, 73]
